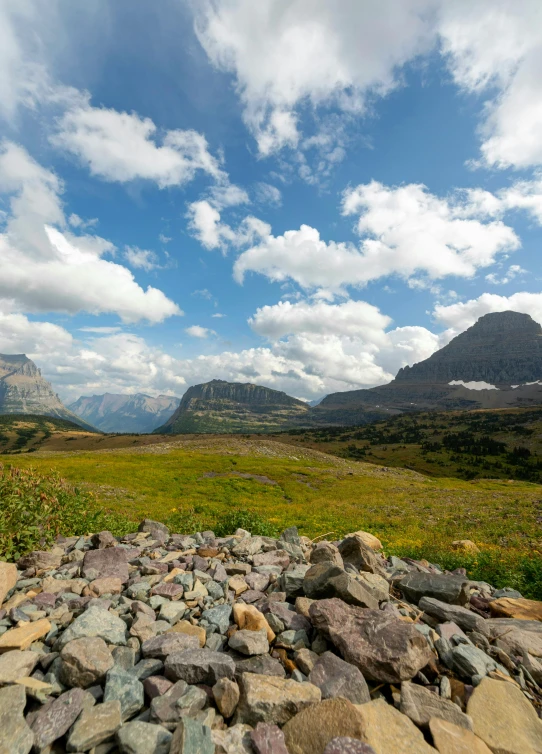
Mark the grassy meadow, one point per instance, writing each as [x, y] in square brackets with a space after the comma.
[196, 483]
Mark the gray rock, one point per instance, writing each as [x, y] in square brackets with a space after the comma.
[95, 622]
[199, 666]
[124, 657]
[453, 590]
[16, 736]
[469, 661]
[218, 616]
[145, 668]
[94, 726]
[291, 581]
[335, 677]
[192, 701]
[124, 686]
[16, 664]
[55, 718]
[250, 642]
[164, 709]
[101, 564]
[305, 659]
[268, 738]
[326, 552]
[143, 738]
[41, 560]
[290, 535]
[354, 551]
[421, 705]
[191, 737]
[507, 592]
[327, 580]
[465, 619]
[160, 647]
[379, 644]
[84, 662]
[156, 529]
[261, 665]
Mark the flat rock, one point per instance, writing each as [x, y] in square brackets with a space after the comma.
[94, 726]
[250, 642]
[335, 677]
[16, 736]
[383, 647]
[520, 609]
[109, 563]
[421, 705]
[312, 729]
[453, 590]
[327, 580]
[144, 738]
[274, 557]
[388, 731]
[166, 644]
[22, 637]
[517, 636]
[269, 699]
[504, 719]
[451, 739]
[124, 686]
[17, 664]
[54, 719]
[469, 661]
[8, 579]
[260, 664]
[41, 560]
[109, 585]
[84, 662]
[187, 628]
[465, 619]
[199, 666]
[267, 738]
[95, 621]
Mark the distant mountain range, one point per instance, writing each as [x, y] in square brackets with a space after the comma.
[138, 413]
[24, 391]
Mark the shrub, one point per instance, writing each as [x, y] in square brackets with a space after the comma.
[244, 519]
[36, 508]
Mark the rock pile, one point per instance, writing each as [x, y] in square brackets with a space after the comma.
[160, 642]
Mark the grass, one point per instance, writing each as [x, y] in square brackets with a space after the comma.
[200, 487]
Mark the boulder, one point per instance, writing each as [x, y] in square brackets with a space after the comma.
[326, 552]
[335, 677]
[84, 662]
[452, 739]
[111, 562]
[383, 647]
[327, 580]
[168, 643]
[16, 736]
[226, 696]
[446, 587]
[41, 560]
[388, 731]
[521, 609]
[465, 545]
[311, 730]
[465, 619]
[94, 726]
[369, 539]
[199, 666]
[95, 621]
[249, 642]
[354, 551]
[267, 738]
[124, 686]
[53, 720]
[268, 699]
[421, 705]
[156, 529]
[17, 664]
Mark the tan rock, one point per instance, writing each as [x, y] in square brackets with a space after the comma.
[451, 739]
[55, 586]
[521, 609]
[17, 664]
[185, 627]
[171, 556]
[388, 731]
[238, 585]
[8, 579]
[226, 696]
[23, 637]
[370, 540]
[504, 719]
[109, 585]
[249, 617]
[312, 729]
[270, 699]
[36, 689]
[16, 600]
[465, 545]
[171, 575]
[302, 605]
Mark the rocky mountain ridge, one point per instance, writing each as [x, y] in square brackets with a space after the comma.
[134, 413]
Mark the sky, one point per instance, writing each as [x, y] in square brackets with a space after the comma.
[297, 193]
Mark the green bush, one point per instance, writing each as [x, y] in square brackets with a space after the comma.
[244, 519]
[35, 508]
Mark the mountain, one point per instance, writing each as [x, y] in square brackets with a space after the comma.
[220, 406]
[24, 391]
[138, 413]
[496, 363]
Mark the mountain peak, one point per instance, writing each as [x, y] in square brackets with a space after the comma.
[505, 322]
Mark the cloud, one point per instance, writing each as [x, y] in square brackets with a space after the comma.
[164, 239]
[218, 316]
[496, 48]
[101, 330]
[196, 331]
[203, 293]
[464, 314]
[204, 221]
[268, 194]
[513, 271]
[141, 258]
[310, 52]
[45, 267]
[122, 147]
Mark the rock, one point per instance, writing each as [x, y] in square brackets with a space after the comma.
[464, 618]
[268, 738]
[8, 579]
[383, 647]
[109, 585]
[53, 720]
[199, 666]
[452, 739]
[466, 545]
[95, 621]
[274, 557]
[517, 636]
[469, 661]
[260, 664]
[310, 731]
[166, 644]
[156, 685]
[21, 638]
[226, 695]
[335, 677]
[191, 737]
[250, 642]
[156, 529]
[144, 738]
[420, 705]
[238, 585]
[345, 745]
[186, 628]
[504, 719]
[41, 560]
[16, 736]
[124, 686]
[521, 609]
[103, 539]
[85, 662]
[454, 590]
[291, 581]
[305, 659]
[250, 618]
[388, 731]
[234, 740]
[268, 699]
[94, 726]
[109, 563]
[377, 585]
[326, 552]
[164, 709]
[355, 552]
[326, 580]
[17, 664]
[57, 586]
[369, 539]
[218, 616]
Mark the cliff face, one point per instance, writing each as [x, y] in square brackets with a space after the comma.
[220, 406]
[137, 413]
[24, 391]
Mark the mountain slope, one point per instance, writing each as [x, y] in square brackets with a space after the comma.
[138, 413]
[220, 406]
[24, 391]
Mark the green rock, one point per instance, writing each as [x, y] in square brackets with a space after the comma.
[124, 686]
[191, 737]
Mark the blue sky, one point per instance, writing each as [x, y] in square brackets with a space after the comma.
[300, 194]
